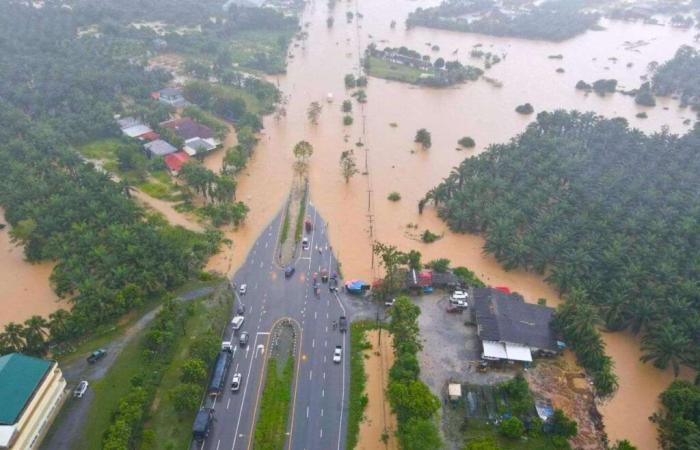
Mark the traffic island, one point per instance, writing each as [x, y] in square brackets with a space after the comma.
[276, 400]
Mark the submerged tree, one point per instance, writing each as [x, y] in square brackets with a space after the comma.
[348, 166]
[423, 138]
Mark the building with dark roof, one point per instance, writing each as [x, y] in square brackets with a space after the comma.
[511, 329]
[31, 393]
[187, 128]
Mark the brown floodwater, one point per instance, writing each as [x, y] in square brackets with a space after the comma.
[477, 109]
[24, 287]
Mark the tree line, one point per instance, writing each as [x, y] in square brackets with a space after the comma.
[607, 213]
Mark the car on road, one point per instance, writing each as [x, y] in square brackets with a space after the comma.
[237, 322]
[240, 309]
[96, 356]
[289, 271]
[390, 303]
[305, 243]
[343, 324]
[243, 289]
[236, 382]
[243, 341]
[459, 298]
[81, 389]
[338, 354]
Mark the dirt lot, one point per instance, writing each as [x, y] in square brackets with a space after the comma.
[378, 416]
[451, 349]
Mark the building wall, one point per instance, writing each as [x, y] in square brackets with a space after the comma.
[37, 417]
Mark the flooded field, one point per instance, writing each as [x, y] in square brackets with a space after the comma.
[477, 109]
[25, 287]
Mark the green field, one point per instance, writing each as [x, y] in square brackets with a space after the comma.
[270, 429]
[104, 149]
[263, 50]
[476, 430]
[390, 71]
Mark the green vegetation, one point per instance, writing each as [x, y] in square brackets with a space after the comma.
[429, 237]
[284, 233]
[586, 177]
[525, 108]
[423, 138]
[346, 106]
[347, 120]
[679, 417]
[184, 379]
[554, 20]
[270, 429]
[381, 68]
[299, 229]
[415, 406]
[155, 351]
[679, 76]
[468, 277]
[394, 196]
[350, 81]
[262, 50]
[348, 165]
[467, 142]
[644, 95]
[357, 401]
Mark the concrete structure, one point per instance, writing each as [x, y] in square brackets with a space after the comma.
[31, 393]
[511, 329]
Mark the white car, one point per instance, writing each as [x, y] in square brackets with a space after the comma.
[459, 298]
[337, 354]
[243, 289]
[237, 322]
[236, 382]
[80, 389]
[305, 243]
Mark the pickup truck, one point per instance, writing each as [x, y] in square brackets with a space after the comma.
[96, 356]
[343, 324]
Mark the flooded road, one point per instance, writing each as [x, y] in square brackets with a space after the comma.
[24, 287]
[476, 109]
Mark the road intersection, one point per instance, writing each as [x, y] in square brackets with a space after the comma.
[320, 388]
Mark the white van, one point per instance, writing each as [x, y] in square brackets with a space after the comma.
[237, 322]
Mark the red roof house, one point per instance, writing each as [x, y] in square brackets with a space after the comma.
[174, 161]
[150, 136]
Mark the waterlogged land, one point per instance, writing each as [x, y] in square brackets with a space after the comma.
[478, 109]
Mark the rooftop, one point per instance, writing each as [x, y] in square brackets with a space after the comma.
[20, 376]
[159, 148]
[187, 128]
[505, 317]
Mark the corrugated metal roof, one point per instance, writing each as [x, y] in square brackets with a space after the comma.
[20, 376]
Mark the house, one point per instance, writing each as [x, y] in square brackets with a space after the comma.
[187, 128]
[510, 329]
[170, 96]
[134, 128]
[175, 161]
[150, 136]
[420, 280]
[158, 148]
[197, 145]
[32, 391]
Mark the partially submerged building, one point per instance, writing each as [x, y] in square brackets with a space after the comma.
[510, 329]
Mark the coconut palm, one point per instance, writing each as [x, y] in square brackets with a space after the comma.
[668, 345]
[14, 336]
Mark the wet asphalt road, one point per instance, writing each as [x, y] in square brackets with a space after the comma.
[320, 390]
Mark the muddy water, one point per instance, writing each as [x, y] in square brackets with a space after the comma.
[476, 109]
[24, 287]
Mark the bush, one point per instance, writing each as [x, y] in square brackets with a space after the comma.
[394, 196]
[440, 265]
[350, 81]
[193, 371]
[186, 398]
[525, 109]
[562, 425]
[583, 86]
[347, 120]
[467, 142]
[511, 428]
[429, 237]
[347, 106]
[423, 138]
[468, 277]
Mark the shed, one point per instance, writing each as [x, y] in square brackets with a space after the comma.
[454, 391]
[159, 147]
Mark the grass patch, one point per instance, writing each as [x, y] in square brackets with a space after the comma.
[478, 430]
[383, 69]
[262, 50]
[101, 149]
[270, 429]
[284, 234]
[173, 430]
[357, 401]
[300, 217]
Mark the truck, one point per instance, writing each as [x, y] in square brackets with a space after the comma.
[324, 275]
[218, 376]
[202, 424]
[308, 226]
[343, 324]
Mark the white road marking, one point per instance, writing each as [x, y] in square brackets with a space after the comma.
[307, 412]
[311, 373]
[321, 434]
[325, 343]
[228, 402]
[324, 375]
[313, 343]
[321, 412]
[245, 391]
[217, 444]
[323, 391]
[324, 358]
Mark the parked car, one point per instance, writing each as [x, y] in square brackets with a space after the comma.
[338, 354]
[243, 289]
[343, 324]
[237, 322]
[390, 303]
[236, 382]
[81, 389]
[243, 341]
[459, 298]
[289, 271]
[96, 356]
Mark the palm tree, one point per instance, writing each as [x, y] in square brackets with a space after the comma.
[668, 345]
[35, 334]
[14, 336]
[58, 324]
